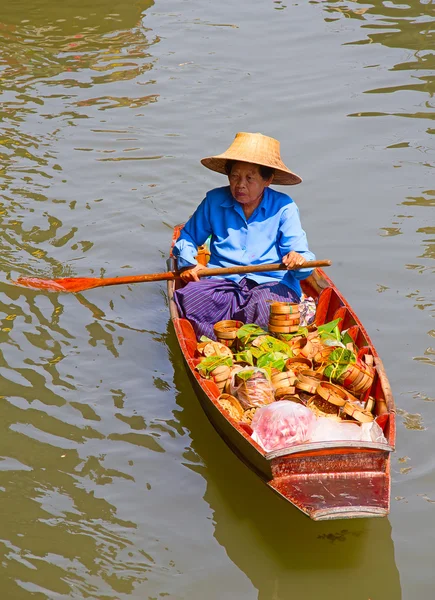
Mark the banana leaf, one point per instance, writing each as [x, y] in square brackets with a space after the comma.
[271, 344]
[209, 364]
[247, 333]
[338, 361]
[246, 356]
[274, 360]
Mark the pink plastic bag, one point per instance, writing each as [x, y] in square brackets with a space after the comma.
[282, 424]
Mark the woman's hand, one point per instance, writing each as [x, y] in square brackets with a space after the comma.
[293, 259]
[190, 274]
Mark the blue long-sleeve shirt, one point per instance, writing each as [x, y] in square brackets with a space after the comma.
[273, 230]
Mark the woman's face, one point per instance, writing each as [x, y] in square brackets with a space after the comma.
[246, 183]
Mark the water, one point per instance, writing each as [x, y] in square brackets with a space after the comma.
[114, 485]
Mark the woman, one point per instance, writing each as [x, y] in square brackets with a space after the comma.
[248, 223]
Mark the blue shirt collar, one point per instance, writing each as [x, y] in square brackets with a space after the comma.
[230, 202]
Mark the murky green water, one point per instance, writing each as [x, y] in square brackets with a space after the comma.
[113, 484]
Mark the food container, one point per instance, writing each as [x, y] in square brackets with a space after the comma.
[220, 376]
[226, 332]
[231, 406]
[284, 318]
[298, 363]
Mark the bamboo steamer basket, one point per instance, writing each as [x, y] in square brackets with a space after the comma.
[288, 394]
[284, 323]
[226, 332]
[306, 384]
[216, 349]
[283, 379]
[358, 413]
[284, 317]
[323, 408]
[279, 329]
[358, 377]
[322, 354]
[298, 363]
[231, 405]
[332, 393]
[220, 376]
[284, 308]
[303, 347]
[310, 376]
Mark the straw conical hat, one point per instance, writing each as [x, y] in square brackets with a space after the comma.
[257, 149]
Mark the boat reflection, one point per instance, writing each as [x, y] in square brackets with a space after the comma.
[281, 551]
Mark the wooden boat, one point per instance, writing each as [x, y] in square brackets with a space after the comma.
[329, 480]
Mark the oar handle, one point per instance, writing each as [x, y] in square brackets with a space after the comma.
[309, 264]
[237, 269]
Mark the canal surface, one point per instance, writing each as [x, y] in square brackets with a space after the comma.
[113, 483]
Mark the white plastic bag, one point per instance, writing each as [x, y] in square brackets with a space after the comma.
[282, 424]
[328, 430]
[371, 432]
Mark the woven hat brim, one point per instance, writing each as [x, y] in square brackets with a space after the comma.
[283, 176]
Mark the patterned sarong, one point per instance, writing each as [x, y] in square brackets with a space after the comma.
[208, 301]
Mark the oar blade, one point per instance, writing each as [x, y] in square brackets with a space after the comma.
[66, 284]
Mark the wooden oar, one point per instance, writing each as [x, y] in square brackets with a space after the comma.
[79, 284]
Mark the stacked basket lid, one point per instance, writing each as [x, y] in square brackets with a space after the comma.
[284, 318]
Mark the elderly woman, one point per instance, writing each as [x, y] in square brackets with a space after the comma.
[248, 223]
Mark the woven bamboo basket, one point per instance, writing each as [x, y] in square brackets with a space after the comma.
[226, 332]
[284, 318]
[323, 408]
[283, 379]
[231, 405]
[332, 393]
[358, 413]
[303, 347]
[220, 376]
[358, 377]
[288, 394]
[298, 363]
[284, 308]
[322, 354]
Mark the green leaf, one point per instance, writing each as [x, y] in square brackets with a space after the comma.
[271, 344]
[245, 374]
[346, 338]
[246, 356]
[274, 360]
[209, 364]
[249, 332]
[334, 371]
[338, 360]
[328, 327]
[204, 338]
[302, 331]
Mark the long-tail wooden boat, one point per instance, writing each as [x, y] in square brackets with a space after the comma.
[328, 480]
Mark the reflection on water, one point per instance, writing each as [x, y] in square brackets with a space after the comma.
[58, 66]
